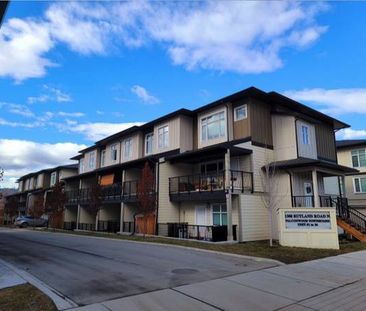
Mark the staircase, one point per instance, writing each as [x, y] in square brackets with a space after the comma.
[351, 220]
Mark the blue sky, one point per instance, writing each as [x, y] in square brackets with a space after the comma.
[71, 73]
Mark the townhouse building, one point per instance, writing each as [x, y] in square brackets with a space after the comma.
[208, 165]
[352, 153]
[34, 187]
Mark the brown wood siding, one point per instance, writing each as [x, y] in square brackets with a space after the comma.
[261, 122]
[325, 142]
[241, 128]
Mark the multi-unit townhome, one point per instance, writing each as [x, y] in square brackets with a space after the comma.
[208, 165]
[352, 153]
[34, 187]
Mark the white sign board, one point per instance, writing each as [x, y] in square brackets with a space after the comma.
[307, 220]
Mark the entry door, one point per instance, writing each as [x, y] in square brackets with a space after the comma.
[308, 190]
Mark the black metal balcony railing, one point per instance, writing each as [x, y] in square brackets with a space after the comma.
[328, 200]
[239, 180]
[112, 192]
[109, 226]
[130, 190]
[86, 227]
[128, 226]
[196, 232]
[303, 201]
[69, 225]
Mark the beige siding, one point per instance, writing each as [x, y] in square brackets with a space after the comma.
[136, 147]
[284, 137]
[108, 154]
[174, 135]
[40, 179]
[253, 218]
[86, 217]
[169, 211]
[64, 173]
[199, 135]
[87, 157]
[70, 213]
[354, 198]
[345, 158]
[128, 212]
[110, 212]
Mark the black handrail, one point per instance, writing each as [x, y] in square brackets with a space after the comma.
[303, 201]
[350, 214]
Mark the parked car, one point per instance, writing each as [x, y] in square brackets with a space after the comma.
[25, 221]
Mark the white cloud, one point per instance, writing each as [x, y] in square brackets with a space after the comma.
[238, 36]
[20, 157]
[333, 101]
[351, 134]
[71, 114]
[52, 94]
[94, 131]
[21, 110]
[144, 95]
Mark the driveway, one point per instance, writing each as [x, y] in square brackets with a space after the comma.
[89, 270]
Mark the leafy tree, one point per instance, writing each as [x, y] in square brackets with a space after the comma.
[37, 210]
[95, 200]
[11, 208]
[55, 203]
[146, 196]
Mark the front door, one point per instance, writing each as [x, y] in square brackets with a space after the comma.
[201, 222]
[308, 190]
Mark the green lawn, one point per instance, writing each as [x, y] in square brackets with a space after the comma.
[258, 249]
[25, 298]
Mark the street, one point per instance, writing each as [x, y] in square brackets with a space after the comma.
[89, 270]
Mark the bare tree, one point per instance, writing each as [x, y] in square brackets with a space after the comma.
[270, 197]
[55, 203]
[95, 200]
[146, 196]
[37, 209]
[11, 208]
[1, 174]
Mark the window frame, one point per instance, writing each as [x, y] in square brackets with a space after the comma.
[102, 157]
[147, 136]
[81, 166]
[305, 135]
[245, 107]
[357, 157]
[362, 191]
[205, 125]
[92, 160]
[127, 148]
[53, 176]
[222, 212]
[114, 151]
[164, 143]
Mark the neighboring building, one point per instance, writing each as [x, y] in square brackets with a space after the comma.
[33, 187]
[3, 193]
[352, 153]
[208, 166]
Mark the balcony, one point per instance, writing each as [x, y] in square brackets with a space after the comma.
[208, 186]
[308, 200]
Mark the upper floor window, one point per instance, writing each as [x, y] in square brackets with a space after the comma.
[81, 166]
[163, 137]
[128, 148]
[359, 158]
[92, 160]
[114, 152]
[53, 179]
[359, 184]
[305, 134]
[240, 113]
[213, 126]
[149, 139]
[102, 157]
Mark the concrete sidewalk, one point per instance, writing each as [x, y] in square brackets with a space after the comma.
[334, 283]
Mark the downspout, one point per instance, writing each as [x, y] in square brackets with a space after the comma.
[157, 166]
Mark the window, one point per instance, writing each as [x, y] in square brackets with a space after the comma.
[163, 137]
[149, 140]
[359, 184]
[114, 152]
[102, 157]
[212, 167]
[358, 158]
[92, 160]
[127, 148]
[81, 166]
[53, 179]
[240, 113]
[219, 215]
[213, 126]
[305, 134]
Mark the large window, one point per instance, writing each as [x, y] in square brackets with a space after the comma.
[213, 126]
[127, 148]
[163, 137]
[53, 179]
[92, 160]
[102, 158]
[240, 113]
[219, 215]
[305, 135]
[149, 140]
[81, 166]
[114, 152]
[359, 184]
[358, 158]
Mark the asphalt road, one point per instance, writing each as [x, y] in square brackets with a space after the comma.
[89, 270]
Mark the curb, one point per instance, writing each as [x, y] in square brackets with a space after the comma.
[61, 302]
[257, 259]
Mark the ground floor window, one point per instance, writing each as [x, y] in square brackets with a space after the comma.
[360, 184]
[219, 214]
